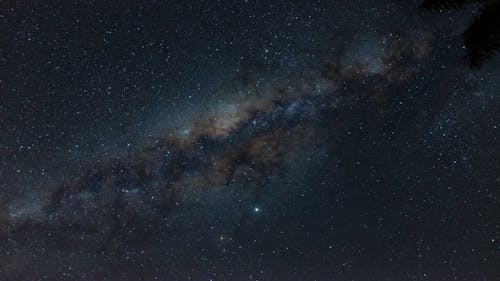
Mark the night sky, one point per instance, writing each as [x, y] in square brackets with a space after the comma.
[245, 140]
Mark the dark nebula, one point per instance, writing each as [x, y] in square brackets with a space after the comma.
[245, 140]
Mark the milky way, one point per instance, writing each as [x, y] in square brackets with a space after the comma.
[359, 156]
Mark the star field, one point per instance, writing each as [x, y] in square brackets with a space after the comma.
[245, 140]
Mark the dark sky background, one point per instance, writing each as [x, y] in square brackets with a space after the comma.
[245, 140]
